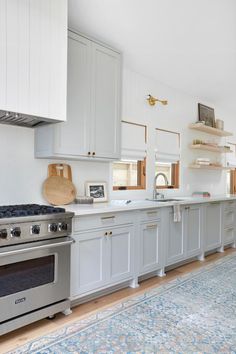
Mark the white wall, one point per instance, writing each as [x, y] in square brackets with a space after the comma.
[22, 175]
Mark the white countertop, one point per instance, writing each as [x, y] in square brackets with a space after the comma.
[121, 205]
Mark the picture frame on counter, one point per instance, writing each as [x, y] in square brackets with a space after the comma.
[96, 190]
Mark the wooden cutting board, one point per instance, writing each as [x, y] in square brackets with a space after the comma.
[59, 190]
[60, 169]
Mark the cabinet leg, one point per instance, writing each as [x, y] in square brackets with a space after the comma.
[161, 272]
[67, 312]
[134, 283]
[220, 249]
[201, 257]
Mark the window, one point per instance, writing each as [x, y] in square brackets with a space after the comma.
[167, 155]
[130, 172]
[168, 174]
[129, 175]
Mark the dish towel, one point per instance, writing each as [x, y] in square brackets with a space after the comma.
[177, 212]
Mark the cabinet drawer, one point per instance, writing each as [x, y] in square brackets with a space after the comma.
[89, 222]
[228, 235]
[228, 218]
[230, 205]
[150, 214]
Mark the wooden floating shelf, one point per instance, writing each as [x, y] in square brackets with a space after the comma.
[208, 167]
[219, 149]
[209, 130]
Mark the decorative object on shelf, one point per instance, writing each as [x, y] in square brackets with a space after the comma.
[96, 190]
[219, 124]
[152, 100]
[201, 194]
[206, 114]
[83, 200]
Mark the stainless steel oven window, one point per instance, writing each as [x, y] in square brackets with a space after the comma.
[27, 274]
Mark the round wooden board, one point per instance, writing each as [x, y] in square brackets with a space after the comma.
[59, 190]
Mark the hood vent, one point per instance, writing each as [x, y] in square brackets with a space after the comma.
[23, 120]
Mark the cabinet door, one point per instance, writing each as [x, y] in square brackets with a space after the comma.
[88, 268]
[193, 230]
[212, 226]
[149, 247]
[72, 137]
[121, 254]
[175, 239]
[106, 120]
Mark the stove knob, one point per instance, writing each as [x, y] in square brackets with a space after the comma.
[52, 227]
[16, 232]
[3, 233]
[35, 229]
[63, 226]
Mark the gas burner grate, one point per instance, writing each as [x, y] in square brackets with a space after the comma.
[10, 211]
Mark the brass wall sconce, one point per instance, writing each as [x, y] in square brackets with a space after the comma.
[152, 101]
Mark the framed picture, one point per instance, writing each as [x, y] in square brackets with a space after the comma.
[206, 114]
[97, 190]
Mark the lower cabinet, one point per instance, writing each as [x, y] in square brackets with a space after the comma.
[149, 255]
[184, 237]
[101, 258]
[212, 234]
[228, 222]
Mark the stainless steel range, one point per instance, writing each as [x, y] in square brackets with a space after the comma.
[34, 263]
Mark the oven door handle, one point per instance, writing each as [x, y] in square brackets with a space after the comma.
[36, 248]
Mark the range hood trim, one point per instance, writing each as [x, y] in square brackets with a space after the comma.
[24, 120]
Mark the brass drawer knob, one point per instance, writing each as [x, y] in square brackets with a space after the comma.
[93, 154]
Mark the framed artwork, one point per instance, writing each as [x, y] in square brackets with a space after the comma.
[206, 114]
[97, 190]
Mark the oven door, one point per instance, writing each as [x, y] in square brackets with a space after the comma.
[33, 275]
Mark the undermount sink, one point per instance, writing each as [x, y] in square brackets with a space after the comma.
[165, 200]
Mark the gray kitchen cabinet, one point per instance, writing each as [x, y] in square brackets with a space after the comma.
[184, 237]
[193, 229]
[150, 246]
[88, 262]
[175, 247]
[228, 222]
[212, 231]
[120, 254]
[101, 259]
[92, 130]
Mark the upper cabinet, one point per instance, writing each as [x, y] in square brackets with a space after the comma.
[92, 129]
[33, 58]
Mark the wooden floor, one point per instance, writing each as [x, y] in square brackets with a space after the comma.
[19, 337]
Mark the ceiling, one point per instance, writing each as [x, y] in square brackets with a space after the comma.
[186, 44]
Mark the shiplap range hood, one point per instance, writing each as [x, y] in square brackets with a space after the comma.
[33, 62]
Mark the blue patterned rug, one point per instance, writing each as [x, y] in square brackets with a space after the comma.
[195, 313]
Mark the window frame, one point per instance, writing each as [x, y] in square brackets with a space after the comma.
[141, 178]
[175, 168]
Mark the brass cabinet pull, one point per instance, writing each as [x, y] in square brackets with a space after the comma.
[89, 153]
[110, 233]
[153, 226]
[106, 233]
[152, 212]
[108, 217]
[93, 154]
